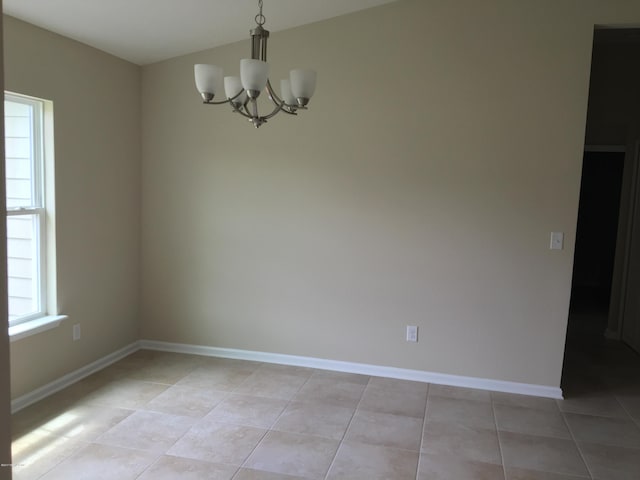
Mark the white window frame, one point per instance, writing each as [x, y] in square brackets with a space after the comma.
[37, 207]
[45, 317]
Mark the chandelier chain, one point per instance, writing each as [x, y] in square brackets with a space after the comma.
[260, 18]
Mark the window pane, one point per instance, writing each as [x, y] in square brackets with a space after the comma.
[24, 168]
[22, 265]
[19, 151]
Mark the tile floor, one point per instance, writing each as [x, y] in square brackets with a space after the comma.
[163, 416]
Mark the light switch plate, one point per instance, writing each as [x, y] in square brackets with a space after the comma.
[412, 333]
[557, 241]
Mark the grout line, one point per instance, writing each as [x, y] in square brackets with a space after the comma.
[149, 466]
[495, 422]
[142, 408]
[355, 410]
[270, 429]
[633, 419]
[575, 442]
[424, 426]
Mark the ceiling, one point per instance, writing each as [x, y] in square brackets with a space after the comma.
[147, 31]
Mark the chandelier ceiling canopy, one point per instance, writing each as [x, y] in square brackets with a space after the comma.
[242, 92]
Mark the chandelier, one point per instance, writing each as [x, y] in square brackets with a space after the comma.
[242, 92]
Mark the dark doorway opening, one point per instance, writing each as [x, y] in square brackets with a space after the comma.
[595, 248]
[596, 365]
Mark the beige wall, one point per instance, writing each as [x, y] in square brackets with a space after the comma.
[5, 395]
[96, 101]
[442, 147]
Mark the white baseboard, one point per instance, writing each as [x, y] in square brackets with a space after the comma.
[362, 368]
[335, 365]
[50, 388]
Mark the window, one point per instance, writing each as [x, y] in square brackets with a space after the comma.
[26, 208]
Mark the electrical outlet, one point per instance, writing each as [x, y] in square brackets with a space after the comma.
[412, 333]
[76, 332]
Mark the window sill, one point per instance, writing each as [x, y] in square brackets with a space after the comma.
[32, 327]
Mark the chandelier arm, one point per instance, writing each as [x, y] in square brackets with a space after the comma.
[234, 108]
[277, 101]
[275, 111]
[246, 111]
[273, 96]
[287, 109]
[243, 114]
[228, 100]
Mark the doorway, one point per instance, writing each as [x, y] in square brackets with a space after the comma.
[596, 238]
[598, 305]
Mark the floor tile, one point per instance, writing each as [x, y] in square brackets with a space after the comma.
[84, 422]
[251, 474]
[168, 371]
[466, 412]
[49, 409]
[222, 362]
[271, 384]
[547, 423]
[102, 462]
[523, 474]
[604, 430]
[398, 385]
[546, 454]
[341, 377]
[359, 461]
[611, 463]
[373, 423]
[172, 468]
[315, 419]
[631, 403]
[293, 454]
[125, 393]
[397, 402]
[221, 378]
[468, 443]
[525, 401]
[185, 401]
[274, 368]
[460, 393]
[448, 467]
[150, 431]
[385, 429]
[599, 404]
[37, 452]
[330, 392]
[139, 358]
[248, 410]
[218, 442]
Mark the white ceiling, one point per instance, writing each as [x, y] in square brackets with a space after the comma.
[147, 31]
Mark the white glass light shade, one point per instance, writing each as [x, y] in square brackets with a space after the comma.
[285, 91]
[207, 77]
[303, 82]
[254, 74]
[233, 86]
